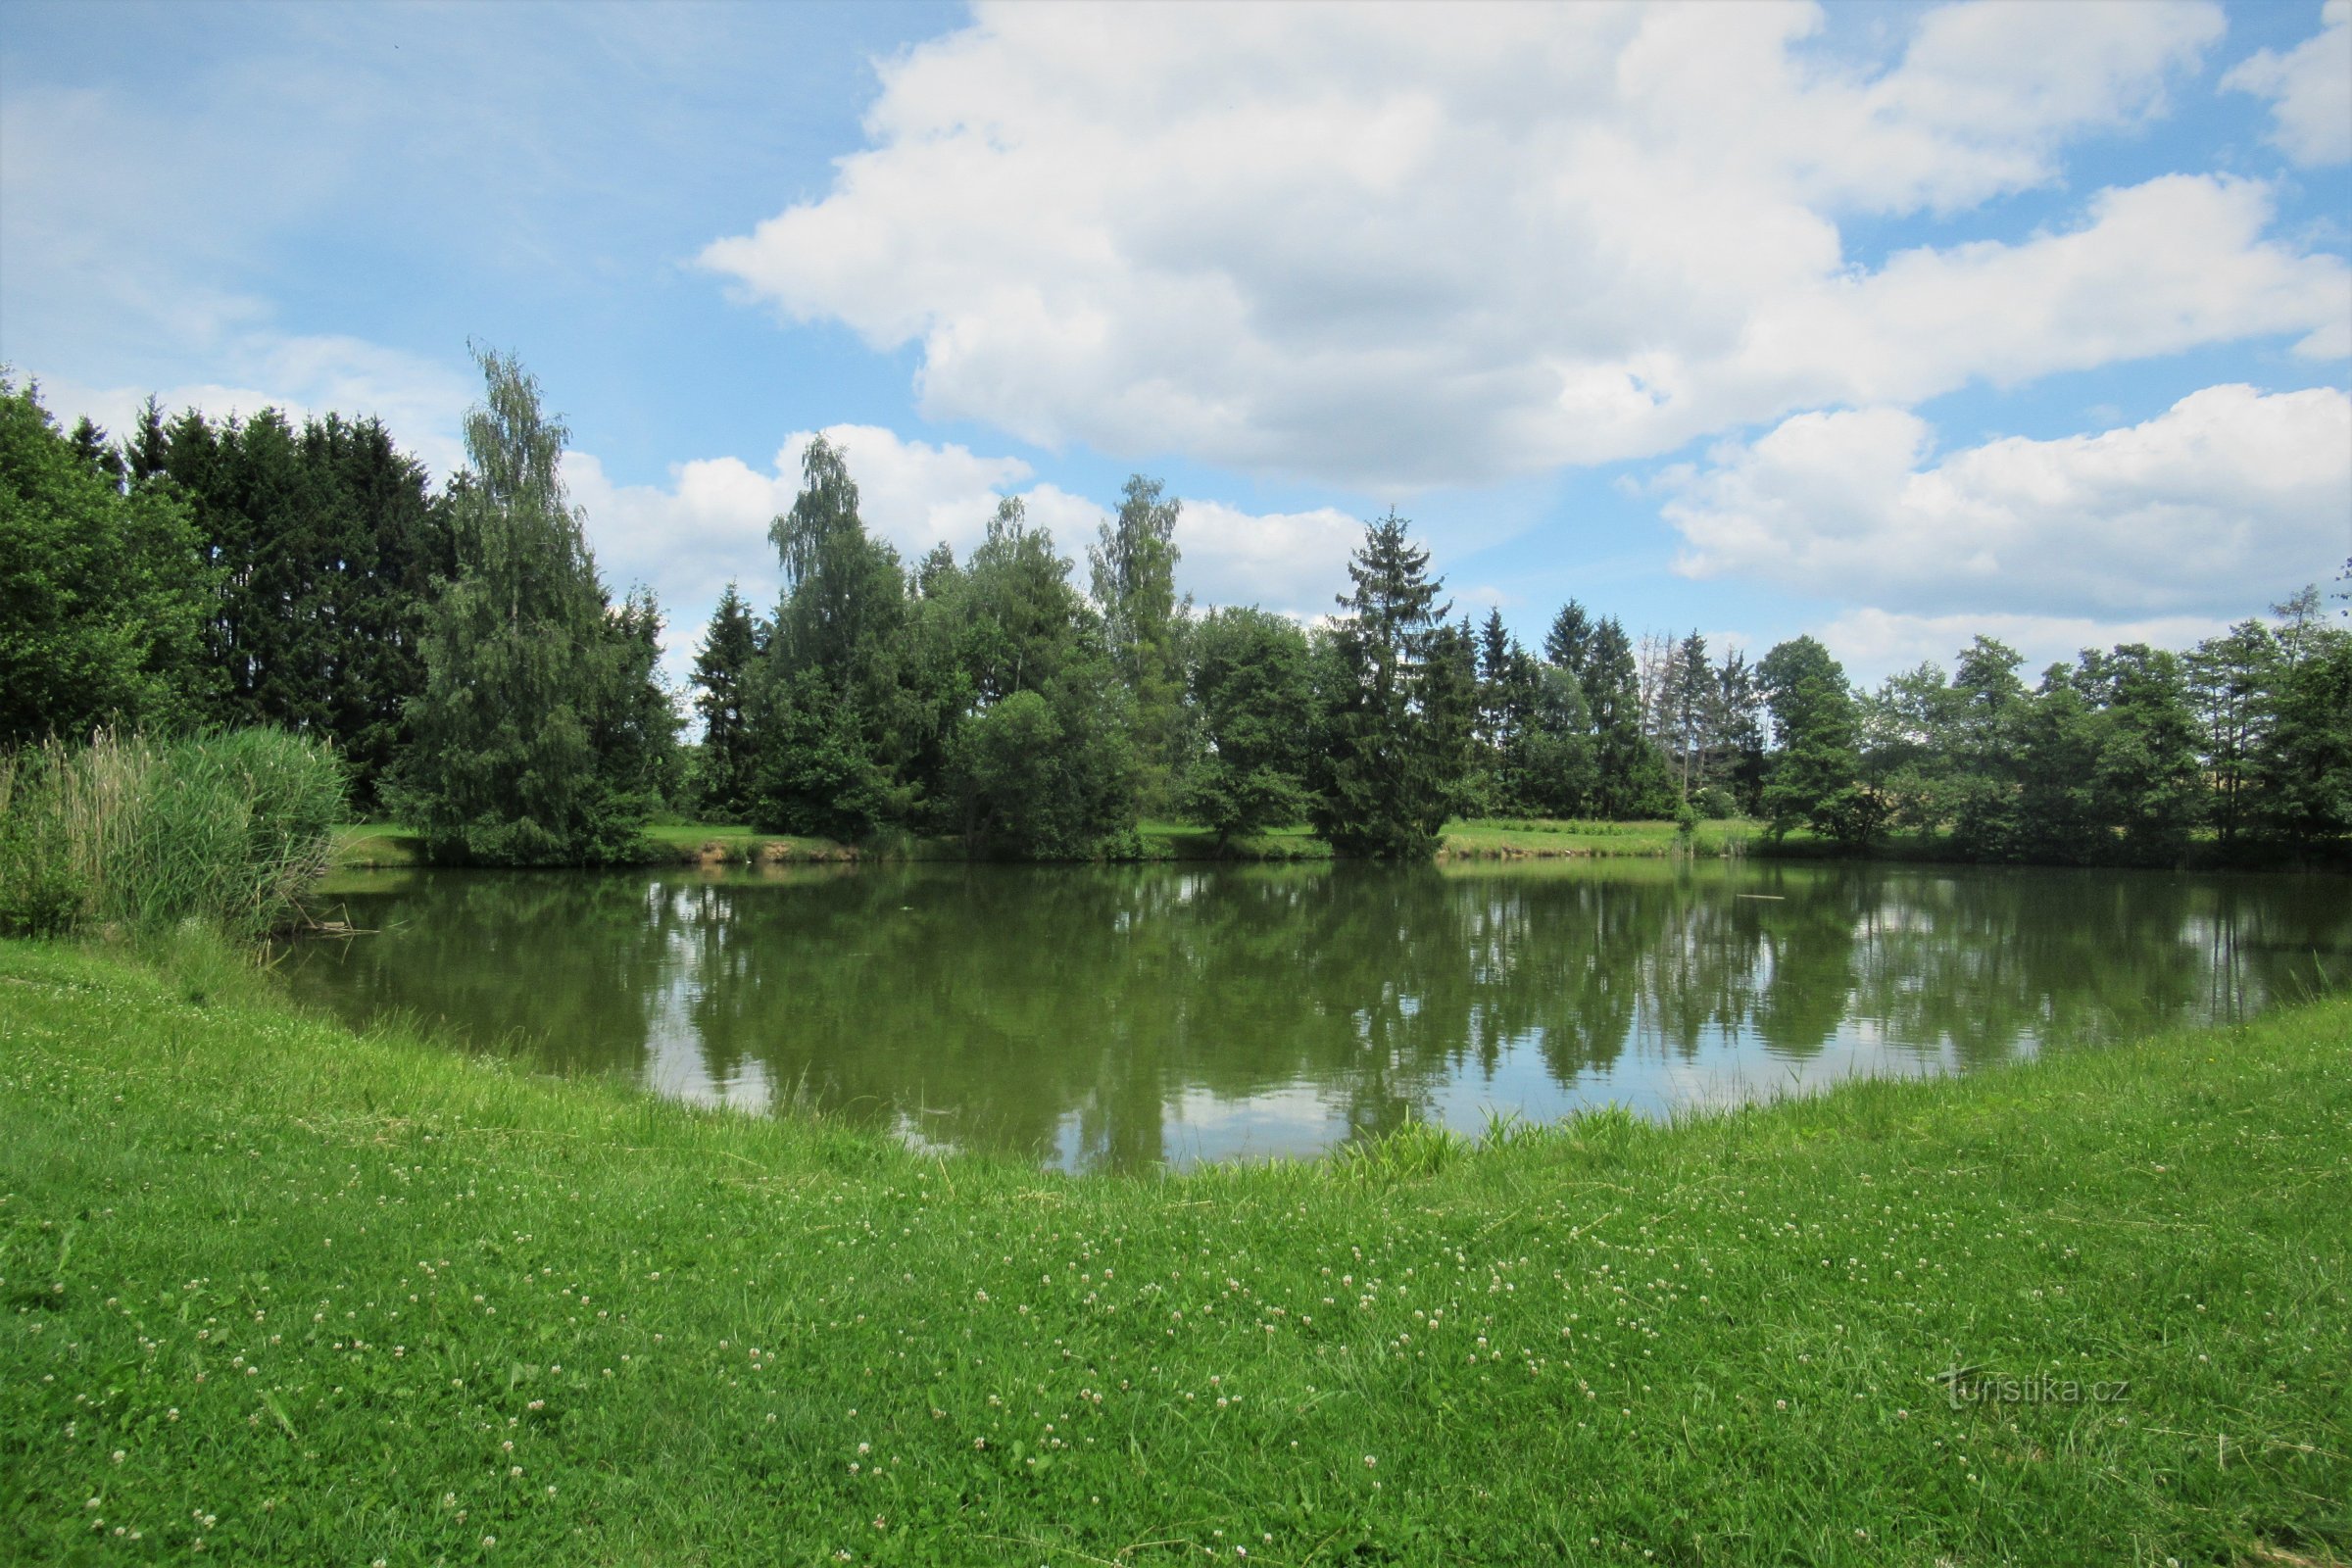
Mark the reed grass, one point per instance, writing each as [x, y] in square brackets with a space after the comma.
[142, 834]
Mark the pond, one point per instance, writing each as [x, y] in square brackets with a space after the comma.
[1127, 1016]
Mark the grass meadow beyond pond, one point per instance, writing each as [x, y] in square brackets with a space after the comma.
[301, 1297]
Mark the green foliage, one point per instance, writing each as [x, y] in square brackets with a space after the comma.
[1397, 702]
[1046, 765]
[1248, 685]
[1133, 565]
[2230, 679]
[725, 667]
[2305, 763]
[540, 735]
[103, 591]
[325, 543]
[823, 711]
[1815, 778]
[228, 830]
[1632, 781]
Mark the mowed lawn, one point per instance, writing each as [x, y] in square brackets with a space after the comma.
[301, 1297]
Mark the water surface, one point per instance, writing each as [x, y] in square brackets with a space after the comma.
[1130, 1015]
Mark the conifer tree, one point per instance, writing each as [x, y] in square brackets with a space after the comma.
[1397, 706]
[723, 667]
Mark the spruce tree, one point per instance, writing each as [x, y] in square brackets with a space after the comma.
[539, 737]
[1569, 642]
[1397, 703]
[1632, 781]
[723, 667]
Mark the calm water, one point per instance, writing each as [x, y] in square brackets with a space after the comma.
[1126, 1015]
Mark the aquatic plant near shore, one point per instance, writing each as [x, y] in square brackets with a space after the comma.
[144, 834]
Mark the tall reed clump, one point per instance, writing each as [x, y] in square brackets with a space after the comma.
[144, 834]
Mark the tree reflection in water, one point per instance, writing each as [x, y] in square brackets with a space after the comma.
[1126, 1015]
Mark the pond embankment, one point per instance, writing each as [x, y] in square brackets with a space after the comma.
[372, 846]
[305, 1296]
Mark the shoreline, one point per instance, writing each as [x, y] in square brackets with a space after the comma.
[386, 846]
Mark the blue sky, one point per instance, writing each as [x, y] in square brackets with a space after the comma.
[1890, 323]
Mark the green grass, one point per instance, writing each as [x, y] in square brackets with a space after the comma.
[306, 1296]
[1189, 841]
[1520, 835]
[387, 844]
[377, 844]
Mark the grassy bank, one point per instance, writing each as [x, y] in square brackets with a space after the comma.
[310, 1298]
[365, 845]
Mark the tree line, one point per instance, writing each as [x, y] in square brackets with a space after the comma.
[462, 653]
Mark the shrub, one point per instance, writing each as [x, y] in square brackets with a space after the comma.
[227, 830]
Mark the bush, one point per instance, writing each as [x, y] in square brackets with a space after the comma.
[226, 829]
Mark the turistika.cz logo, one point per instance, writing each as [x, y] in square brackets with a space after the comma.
[1975, 1385]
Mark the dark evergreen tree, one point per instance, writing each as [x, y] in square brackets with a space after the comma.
[94, 452]
[326, 542]
[1569, 642]
[538, 737]
[1689, 699]
[1632, 782]
[1740, 704]
[1549, 768]
[147, 450]
[1395, 706]
[1502, 698]
[724, 668]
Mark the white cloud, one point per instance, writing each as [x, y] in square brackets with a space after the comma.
[421, 402]
[2309, 89]
[1873, 643]
[2214, 508]
[1389, 246]
[1294, 562]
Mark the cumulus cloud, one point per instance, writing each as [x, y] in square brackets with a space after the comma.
[1390, 247]
[1873, 643]
[2309, 89]
[2212, 508]
[1295, 561]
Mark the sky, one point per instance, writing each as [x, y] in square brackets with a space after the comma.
[1890, 323]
